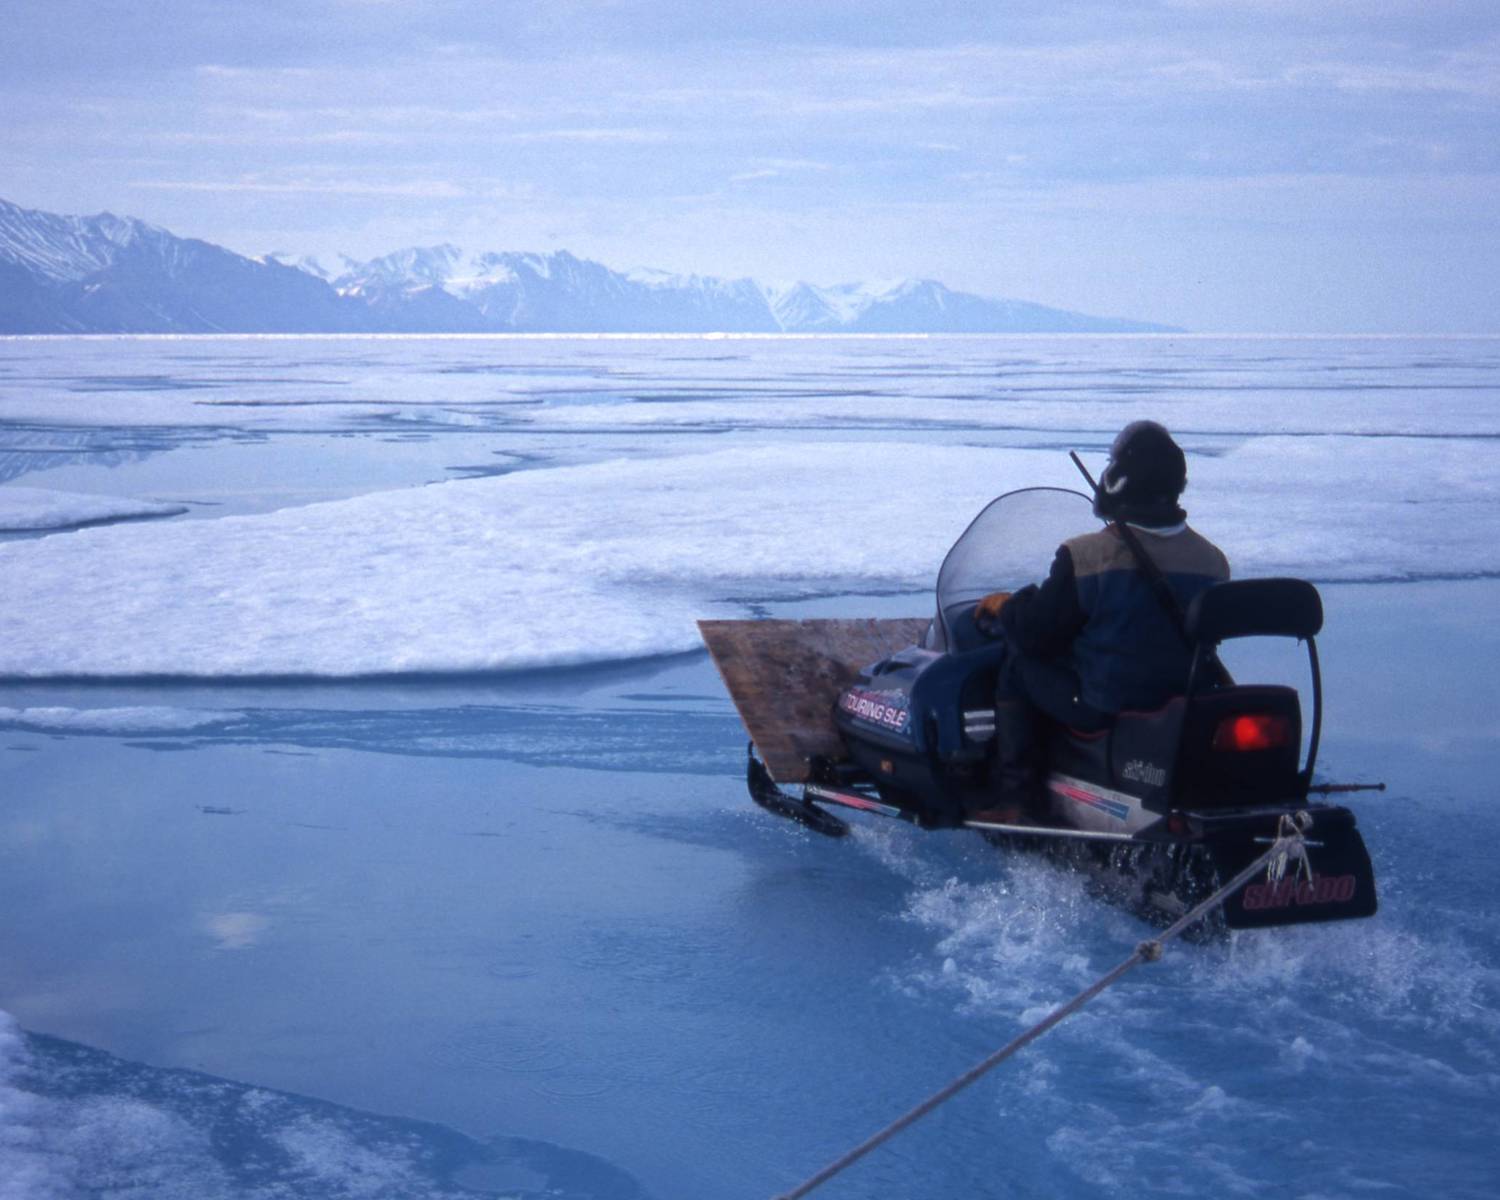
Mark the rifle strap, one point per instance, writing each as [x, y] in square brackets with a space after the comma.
[1160, 588]
[1167, 598]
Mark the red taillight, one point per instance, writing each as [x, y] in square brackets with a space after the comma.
[1252, 732]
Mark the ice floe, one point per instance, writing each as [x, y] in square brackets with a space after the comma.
[143, 718]
[30, 508]
[617, 559]
[78, 1123]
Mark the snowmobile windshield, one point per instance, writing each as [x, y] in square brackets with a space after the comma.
[1008, 545]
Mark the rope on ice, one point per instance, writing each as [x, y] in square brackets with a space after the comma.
[1288, 846]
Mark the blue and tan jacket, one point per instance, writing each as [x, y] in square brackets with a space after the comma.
[1097, 611]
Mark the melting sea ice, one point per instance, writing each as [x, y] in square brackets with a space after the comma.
[388, 773]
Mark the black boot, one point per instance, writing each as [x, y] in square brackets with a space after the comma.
[1018, 759]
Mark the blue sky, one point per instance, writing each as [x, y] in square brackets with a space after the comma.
[1238, 165]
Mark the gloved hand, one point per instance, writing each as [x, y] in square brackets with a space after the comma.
[987, 613]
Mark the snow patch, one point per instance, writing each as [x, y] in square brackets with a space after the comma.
[30, 508]
[78, 1124]
[618, 560]
[130, 720]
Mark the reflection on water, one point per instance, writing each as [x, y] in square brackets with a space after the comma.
[23, 451]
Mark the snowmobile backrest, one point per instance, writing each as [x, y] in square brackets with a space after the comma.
[1255, 608]
[1258, 608]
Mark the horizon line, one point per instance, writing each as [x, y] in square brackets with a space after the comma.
[563, 335]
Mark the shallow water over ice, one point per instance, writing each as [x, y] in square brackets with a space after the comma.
[556, 918]
[536, 909]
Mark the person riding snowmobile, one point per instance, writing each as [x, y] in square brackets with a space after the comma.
[1094, 639]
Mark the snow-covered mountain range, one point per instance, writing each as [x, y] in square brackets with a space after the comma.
[108, 274]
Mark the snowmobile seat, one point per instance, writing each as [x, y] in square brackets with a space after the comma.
[1217, 748]
[1135, 752]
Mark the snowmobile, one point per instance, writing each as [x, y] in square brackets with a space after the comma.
[896, 718]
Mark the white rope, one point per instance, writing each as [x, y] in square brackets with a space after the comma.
[1287, 847]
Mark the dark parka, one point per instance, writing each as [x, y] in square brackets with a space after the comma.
[1097, 612]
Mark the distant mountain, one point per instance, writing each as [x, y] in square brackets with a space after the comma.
[404, 292]
[108, 274]
[558, 293]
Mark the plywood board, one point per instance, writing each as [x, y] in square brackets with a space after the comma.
[784, 677]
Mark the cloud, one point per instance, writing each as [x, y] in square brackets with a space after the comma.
[257, 75]
[633, 136]
[230, 136]
[433, 189]
[874, 138]
[1475, 74]
[775, 168]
